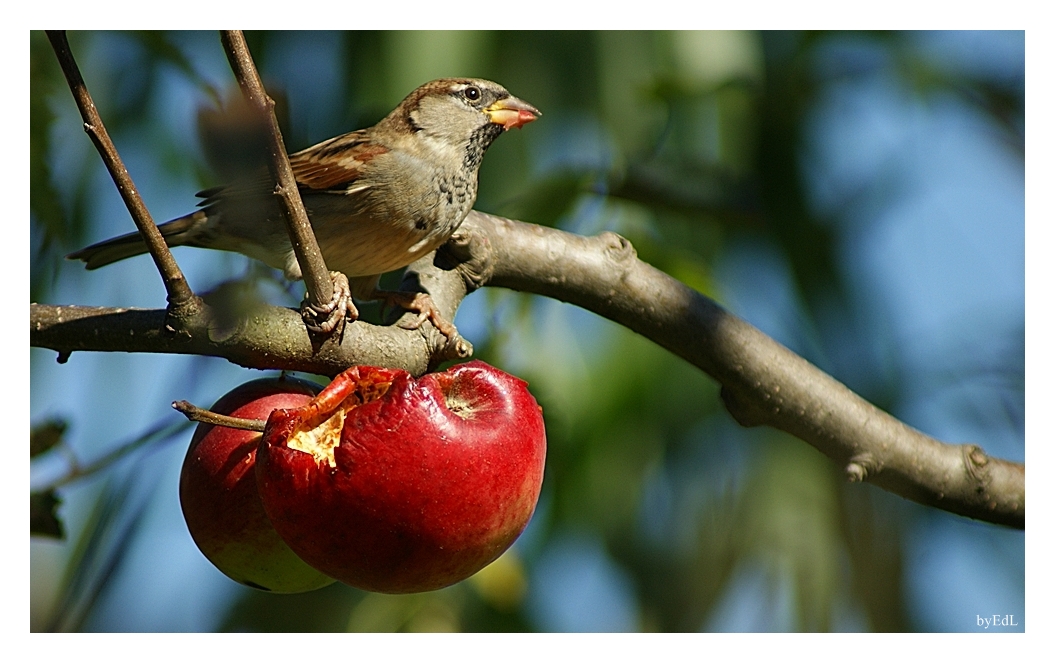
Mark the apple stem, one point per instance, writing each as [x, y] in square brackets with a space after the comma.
[195, 413]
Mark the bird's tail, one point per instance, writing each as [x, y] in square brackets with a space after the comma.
[176, 233]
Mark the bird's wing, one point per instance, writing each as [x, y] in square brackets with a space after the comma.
[334, 165]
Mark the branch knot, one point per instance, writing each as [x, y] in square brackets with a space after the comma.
[618, 247]
[861, 466]
[471, 254]
[975, 461]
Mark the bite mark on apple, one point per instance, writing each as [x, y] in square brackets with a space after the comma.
[320, 441]
[320, 433]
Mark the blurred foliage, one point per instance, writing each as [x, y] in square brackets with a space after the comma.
[685, 142]
[44, 436]
[43, 515]
[99, 551]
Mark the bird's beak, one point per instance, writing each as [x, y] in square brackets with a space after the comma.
[512, 112]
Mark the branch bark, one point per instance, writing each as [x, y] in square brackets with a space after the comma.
[762, 381]
[316, 277]
[180, 297]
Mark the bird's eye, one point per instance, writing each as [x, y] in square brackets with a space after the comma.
[472, 93]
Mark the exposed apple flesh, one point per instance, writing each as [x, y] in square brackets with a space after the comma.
[219, 497]
[397, 485]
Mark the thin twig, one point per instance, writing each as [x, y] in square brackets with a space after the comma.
[316, 277]
[201, 415]
[180, 296]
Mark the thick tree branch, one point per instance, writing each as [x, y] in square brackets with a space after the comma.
[267, 337]
[762, 381]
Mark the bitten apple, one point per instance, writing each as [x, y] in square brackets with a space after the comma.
[397, 485]
[219, 497]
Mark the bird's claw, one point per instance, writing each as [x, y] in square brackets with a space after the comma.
[422, 304]
[331, 316]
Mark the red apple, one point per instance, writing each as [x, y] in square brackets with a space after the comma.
[219, 498]
[397, 485]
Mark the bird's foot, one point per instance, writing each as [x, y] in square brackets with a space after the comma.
[422, 304]
[331, 316]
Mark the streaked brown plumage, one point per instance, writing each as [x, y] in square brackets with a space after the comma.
[378, 198]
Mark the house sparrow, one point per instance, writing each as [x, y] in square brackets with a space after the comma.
[378, 198]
